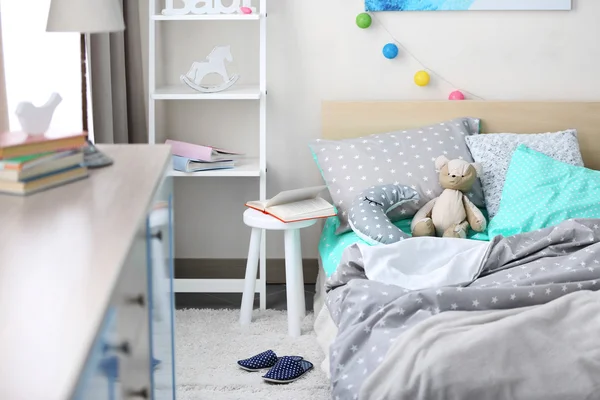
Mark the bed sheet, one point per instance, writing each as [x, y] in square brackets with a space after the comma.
[331, 246]
[325, 328]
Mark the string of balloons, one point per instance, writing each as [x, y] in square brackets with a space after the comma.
[390, 51]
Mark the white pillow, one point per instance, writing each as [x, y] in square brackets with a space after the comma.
[494, 152]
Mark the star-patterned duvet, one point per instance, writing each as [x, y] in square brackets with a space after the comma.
[523, 270]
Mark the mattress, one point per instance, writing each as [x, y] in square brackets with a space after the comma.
[332, 246]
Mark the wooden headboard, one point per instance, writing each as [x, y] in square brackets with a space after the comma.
[353, 119]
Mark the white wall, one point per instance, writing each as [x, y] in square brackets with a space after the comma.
[317, 53]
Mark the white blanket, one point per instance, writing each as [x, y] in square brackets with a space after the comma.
[425, 262]
[545, 352]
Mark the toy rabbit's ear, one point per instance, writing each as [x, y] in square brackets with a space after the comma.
[441, 162]
[478, 167]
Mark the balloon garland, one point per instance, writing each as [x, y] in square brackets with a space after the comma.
[422, 78]
[390, 51]
[456, 95]
[363, 20]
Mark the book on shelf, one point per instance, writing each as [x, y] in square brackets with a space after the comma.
[43, 182]
[185, 164]
[200, 152]
[296, 205]
[27, 167]
[17, 144]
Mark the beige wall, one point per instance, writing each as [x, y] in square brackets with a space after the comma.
[317, 53]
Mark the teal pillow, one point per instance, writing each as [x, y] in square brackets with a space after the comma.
[540, 192]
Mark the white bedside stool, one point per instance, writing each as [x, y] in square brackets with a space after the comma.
[294, 278]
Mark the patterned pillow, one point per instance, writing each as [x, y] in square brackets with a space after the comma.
[540, 192]
[350, 166]
[494, 151]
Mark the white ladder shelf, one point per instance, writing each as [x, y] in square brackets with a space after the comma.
[249, 167]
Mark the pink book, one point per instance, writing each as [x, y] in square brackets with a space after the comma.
[199, 152]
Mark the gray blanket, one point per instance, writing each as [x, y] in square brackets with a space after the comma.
[522, 270]
[545, 352]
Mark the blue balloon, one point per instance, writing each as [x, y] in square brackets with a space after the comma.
[390, 50]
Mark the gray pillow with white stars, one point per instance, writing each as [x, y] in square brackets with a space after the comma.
[368, 214]
[494, 152]
[406, 157]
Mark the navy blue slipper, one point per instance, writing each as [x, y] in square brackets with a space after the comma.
[263, 360]
[287, 370]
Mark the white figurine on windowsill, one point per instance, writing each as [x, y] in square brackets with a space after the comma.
[36, 120]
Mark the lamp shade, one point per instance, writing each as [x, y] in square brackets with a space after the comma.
[85, 16]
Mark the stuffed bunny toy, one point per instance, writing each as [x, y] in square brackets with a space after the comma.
[451, 214]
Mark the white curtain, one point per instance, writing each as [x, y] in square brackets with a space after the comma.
[37, 63]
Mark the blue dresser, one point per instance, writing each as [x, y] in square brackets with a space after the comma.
[114, 291]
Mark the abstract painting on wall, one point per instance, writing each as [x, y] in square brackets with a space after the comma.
[465, 5]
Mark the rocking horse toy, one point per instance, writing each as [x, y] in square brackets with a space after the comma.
[214, 64]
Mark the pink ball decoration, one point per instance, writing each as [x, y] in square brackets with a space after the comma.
[246, 10]
[456, 95]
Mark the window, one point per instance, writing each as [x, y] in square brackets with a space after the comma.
[38, 63]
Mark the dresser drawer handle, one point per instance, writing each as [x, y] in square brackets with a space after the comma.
[158, 235]
[123, 348]
[142, 393]
[139, 300]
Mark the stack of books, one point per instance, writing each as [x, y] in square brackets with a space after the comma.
[31, 163]
[188, 157]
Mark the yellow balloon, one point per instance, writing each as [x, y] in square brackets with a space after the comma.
[422, 78]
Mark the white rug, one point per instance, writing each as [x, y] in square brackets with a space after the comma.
[209, 342]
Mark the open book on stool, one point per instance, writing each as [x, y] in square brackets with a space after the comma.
[296, 205]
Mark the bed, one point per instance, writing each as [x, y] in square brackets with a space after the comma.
[398, 318]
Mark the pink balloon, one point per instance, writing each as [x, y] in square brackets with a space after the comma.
[246, 10]
[456, 95]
